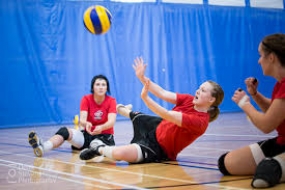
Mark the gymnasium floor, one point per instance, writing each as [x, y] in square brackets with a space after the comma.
[196, 167]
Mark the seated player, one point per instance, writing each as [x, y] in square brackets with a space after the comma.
[97, 117]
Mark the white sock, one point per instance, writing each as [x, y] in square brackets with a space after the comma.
[107, 151]
[260, 183]
[47, 146]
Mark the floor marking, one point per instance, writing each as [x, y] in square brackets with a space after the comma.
[54, 176]
[71, 175]
[189, 182]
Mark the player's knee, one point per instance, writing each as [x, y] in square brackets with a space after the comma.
[222, 166]
[63, 131]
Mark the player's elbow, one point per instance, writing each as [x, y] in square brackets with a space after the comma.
[266, 129]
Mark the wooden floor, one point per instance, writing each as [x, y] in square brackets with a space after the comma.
[196, 167]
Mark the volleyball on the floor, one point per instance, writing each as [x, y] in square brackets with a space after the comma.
[97, 19]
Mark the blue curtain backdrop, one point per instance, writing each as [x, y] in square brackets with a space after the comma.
[48, 58]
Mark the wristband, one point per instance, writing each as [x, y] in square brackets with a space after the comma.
[243, 101]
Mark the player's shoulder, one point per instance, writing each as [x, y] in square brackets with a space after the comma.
[184, 96]
[111, 98]
[87, 96]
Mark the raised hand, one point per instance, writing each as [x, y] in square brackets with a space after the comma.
[251, 85]
[139, 67]
[240, 98]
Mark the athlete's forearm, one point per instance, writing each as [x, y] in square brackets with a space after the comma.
[257, 118]
[155, 107]
[262, 102]
[154, 88]
[110, 123]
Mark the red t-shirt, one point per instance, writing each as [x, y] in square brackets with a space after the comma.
[98, 114]
[173, 138]
[279, 93]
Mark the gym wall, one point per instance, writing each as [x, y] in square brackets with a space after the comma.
[48, 58]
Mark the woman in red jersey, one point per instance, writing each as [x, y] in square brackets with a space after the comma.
[97, 118]
[160, 138]
[257, 158]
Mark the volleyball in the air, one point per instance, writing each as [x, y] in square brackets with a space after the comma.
[97, 19]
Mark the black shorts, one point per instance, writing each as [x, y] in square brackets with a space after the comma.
[270, 148]
[144, 135]
[108, 139]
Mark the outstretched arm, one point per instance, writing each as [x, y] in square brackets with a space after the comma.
[83, 123]
[170, 115]
[139, 67]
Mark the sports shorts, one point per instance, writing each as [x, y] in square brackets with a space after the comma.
[145, 136]
[270, 148]
[108, 139]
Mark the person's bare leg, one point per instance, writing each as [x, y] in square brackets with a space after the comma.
[128, 153]
[56, 141]
[124, 110]
[240, 162]
[41, 147]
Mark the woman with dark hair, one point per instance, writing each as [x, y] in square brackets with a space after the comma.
[262, 157]
[97, 118]
[160, 138]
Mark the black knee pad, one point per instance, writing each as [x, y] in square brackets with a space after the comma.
[221, 165]
[63, 132]
[268, 170]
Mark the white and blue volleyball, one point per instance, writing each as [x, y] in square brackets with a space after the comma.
[97, 19]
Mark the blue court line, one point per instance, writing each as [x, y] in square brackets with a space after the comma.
[184, 165]
[197, 163]
[25, 146]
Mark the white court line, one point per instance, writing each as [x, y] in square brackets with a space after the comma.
[109, 169]
[92, 179]
[69, 174]
[128, 172]
[55, 177]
